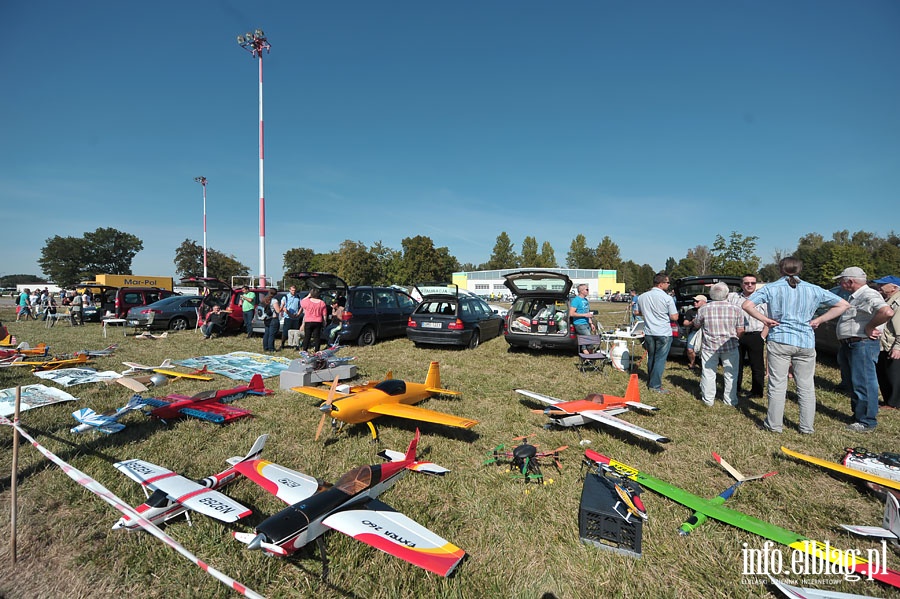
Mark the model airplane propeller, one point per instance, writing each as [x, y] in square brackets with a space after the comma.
[105, 423]
[523, 459]
[207, 405]
[390, 397]
[348, 506]
[598, 408]
[174, 495]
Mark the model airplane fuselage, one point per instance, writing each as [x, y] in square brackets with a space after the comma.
[349, 506]
[105, 423]
[598, 408]
[207, 405]
[174, 495]
[390, 397]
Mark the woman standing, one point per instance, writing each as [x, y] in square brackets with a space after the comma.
[314, 310]
[271, 311]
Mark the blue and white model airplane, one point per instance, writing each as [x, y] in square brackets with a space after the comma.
[105, 423]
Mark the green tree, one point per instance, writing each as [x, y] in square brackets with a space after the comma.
[529, 252]
[422, 262]
[736, 256]
[700, 254]
[607, 254]
[887, 256]
[189, 262]
[580, 255]
[547, 258]
[504, 254]
[13, 280]
[298, 260]
[109, 250]
[686, 267]
[670, 265]
[63, 260]
[389, 263]
[355, 264]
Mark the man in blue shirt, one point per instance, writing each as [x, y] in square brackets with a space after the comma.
[291, 310]
[580, 314]
[792, 303]
[659, 311]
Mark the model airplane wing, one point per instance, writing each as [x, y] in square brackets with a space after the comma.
[287, 485]
[215, 412]
[641, 406]
[320, 392]
[421, 414]
[546, 399]
[101, 422]
[604, 417]
[884, 482]
[184, 491]
[183, 375]
[383, 528]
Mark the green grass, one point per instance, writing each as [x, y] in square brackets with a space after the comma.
[522, 541]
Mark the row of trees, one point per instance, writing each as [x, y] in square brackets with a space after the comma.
[68, 260]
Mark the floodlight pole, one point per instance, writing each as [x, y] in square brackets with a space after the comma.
[255, 43]
[202, 181]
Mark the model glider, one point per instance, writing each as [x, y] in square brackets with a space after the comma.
[105, 423]
[207, 405]
[174, 495]
[713, 509]
[390, 397]
[149, 335]
[349, 506]
[890, 525]
[99, 353]
[523, 459]
[874, 478]
[698, 518]
[197, 375]
[598, 408]
[134, 367]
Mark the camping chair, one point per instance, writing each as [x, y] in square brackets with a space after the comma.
[590, 357]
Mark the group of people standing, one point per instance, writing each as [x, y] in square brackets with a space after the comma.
[772, 330]
[289, 313]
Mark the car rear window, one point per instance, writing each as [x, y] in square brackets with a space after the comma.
[437, 307]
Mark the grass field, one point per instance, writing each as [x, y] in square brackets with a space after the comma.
[522, 541]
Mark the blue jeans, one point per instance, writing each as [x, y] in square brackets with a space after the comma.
[269, 334]
[248, 322]
[857, 360]
[582, 329]
[657, 354]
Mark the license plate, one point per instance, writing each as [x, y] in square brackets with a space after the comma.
[431, 325]
[542, 328]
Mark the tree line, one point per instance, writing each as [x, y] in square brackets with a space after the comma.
[69, 260]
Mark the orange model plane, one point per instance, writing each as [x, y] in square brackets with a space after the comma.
[390, 397]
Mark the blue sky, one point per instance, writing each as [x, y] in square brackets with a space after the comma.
[660, 124]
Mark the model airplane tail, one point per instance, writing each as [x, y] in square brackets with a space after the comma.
[256, 386]
[890, 525]
[410, 458]
[633, 391]
[433, 381]
[254, 452]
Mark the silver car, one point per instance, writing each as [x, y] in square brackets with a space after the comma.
[176, 313]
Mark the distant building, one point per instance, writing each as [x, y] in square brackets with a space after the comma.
[489, 283]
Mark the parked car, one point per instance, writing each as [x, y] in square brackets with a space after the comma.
[371, 312]
[448, 318]
[539, 316]
[826, 333]
[126, 298]
[259, 325]
[685, 289]
[177, 313]
[226, 296]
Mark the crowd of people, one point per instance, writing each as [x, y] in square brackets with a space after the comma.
[42, 303]
[772, 330]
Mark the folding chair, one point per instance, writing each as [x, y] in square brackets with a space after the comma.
[590, 357]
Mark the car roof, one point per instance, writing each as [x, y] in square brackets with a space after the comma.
[537, 282]
[319, 280]
[687, 287]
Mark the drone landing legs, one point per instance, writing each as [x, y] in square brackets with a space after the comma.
[320, 542]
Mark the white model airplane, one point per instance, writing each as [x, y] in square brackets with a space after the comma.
[174, 495]
[134, 367]
[104, 423]
[890, 526]
[598, 408]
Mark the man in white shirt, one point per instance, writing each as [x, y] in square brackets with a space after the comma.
[658, 309]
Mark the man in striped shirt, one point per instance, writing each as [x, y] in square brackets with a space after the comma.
[792, 303]
[722, 324]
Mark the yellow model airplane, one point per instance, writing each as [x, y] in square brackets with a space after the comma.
[200, 375]
[390, 397]
[53, 363]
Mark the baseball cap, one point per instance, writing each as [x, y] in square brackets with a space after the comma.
[891, 279]
[852, 271]
[700, 298]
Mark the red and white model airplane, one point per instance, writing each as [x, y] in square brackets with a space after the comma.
[349, 506]
[174, 495]
[207, 405]
[598, 408]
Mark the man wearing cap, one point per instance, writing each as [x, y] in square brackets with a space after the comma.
[888, 367]
[753, 341]
[858, 330]
[687, 321]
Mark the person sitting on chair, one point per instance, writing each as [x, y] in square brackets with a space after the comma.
[215, 322]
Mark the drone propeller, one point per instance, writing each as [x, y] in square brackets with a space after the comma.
[326, 407]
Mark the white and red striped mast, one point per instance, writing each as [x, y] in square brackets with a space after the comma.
[255, 43]
[202, 181]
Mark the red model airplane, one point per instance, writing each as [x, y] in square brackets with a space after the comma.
[207, 405]
[349, 506]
